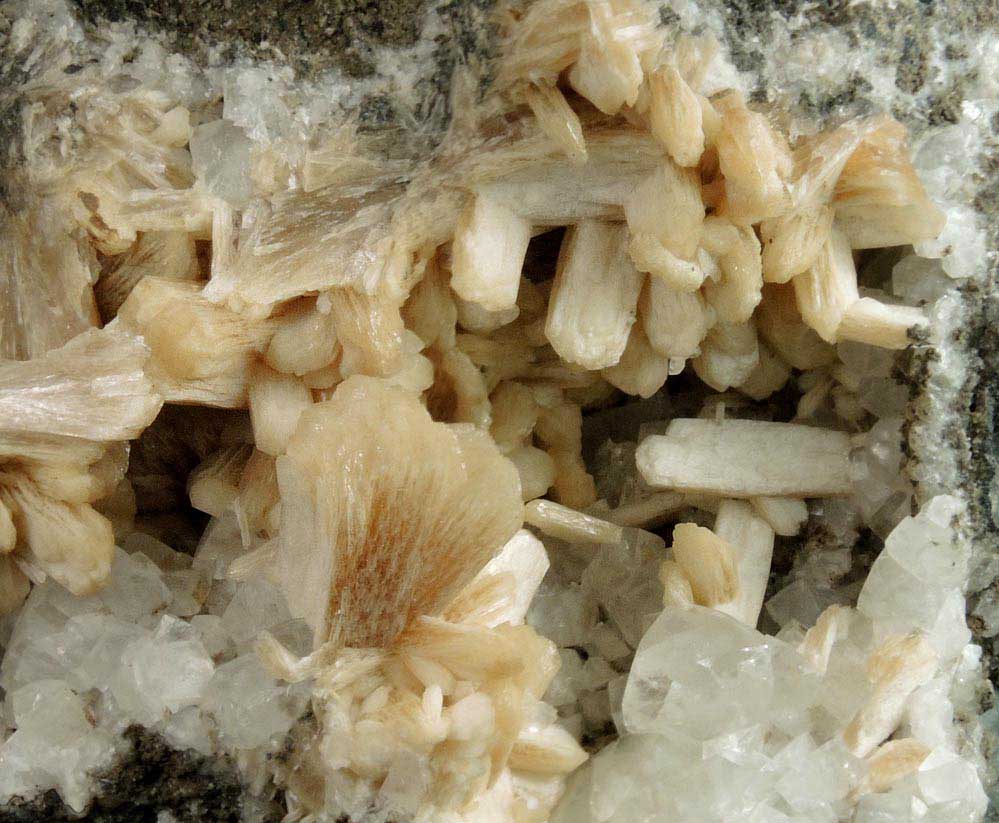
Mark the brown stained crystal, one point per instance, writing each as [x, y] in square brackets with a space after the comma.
[354, 465]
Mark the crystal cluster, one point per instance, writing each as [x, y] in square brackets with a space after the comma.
[855, 715]
[620, 304]
[147, 649]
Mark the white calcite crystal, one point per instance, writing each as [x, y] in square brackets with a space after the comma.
[918, 581]
[220, 157]
[54, 746]
[157, 675]
[248, 706]
[78, 671]
[710, 702]
[569, 472]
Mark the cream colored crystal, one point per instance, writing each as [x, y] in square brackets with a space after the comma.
[214, 485]
[461, 647]
[96, 386]
[708, 562]
[675, 322]
[201, 351]
[225, 237]
[770, 374]
[675, 115]
[312, 241]
[677, 591]
[536, 469]
[879, 199]
[370, 325]
[304, 340]
[666, 205]
[820, 158]
[651, 510]
[890, 762]
[608, 69]
[650, 255]
[560, 427]
[752, 542]
[786, 515]
[430, 310]
[257, 504]
[747, 458]
[611, 40]
[515, 412]
[819, 640]
[51, 450]
[532, 178]
[524, 562]
[594, 297]
[828, 288]
[792, 242]
[897, 667]
[729, 355]
[879, 324]
[557, 119]
[754, 161]
[336, 159]
[487, 254]
[70, 542]
[573, 485]
[376, 498]
[642, 370]
[276, 402]
[551, 750]
[78, 482]
[416, 372]
[568, 524]
[737, 292]
[131, 183]
[543, 41]
[45, 282]
[474, 318]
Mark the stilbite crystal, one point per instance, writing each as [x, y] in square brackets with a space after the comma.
[743, 458]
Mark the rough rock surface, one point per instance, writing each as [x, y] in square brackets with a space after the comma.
[314, 37]
[311, 35]
[151, 781]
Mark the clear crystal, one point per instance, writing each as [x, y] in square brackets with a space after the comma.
[249, 707]
[221, 156]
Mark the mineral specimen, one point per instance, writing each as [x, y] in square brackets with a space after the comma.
[561, 471]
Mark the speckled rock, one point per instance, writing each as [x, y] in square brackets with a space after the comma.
[153, 782]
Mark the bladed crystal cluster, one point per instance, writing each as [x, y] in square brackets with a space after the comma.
[532, 478]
